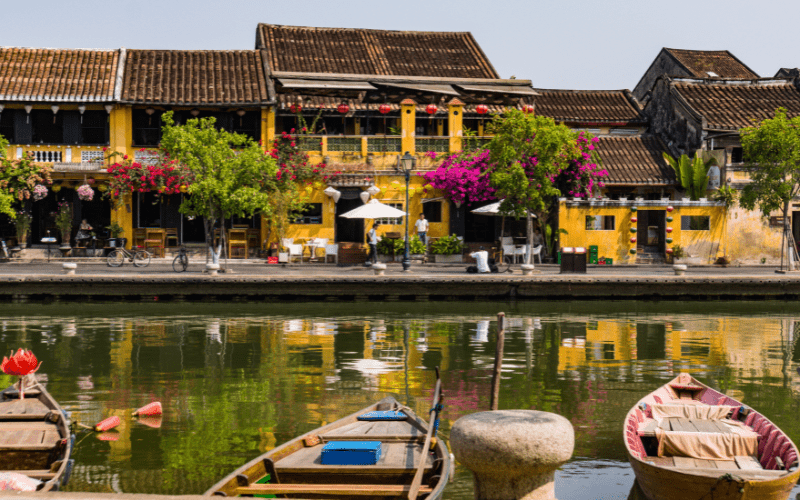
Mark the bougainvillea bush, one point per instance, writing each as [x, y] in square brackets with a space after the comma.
[463, 177]
[164, 177]
[19, 177]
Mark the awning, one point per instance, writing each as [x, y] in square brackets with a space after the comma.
[294, 83]
[500, 89]
[424, 87]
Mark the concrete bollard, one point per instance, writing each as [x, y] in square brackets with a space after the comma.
[680, 269]
[513, 454]
[527, 269]
[379, 269]
[69, 268]
[212, 269]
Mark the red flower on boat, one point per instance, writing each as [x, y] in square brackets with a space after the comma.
[21, 363]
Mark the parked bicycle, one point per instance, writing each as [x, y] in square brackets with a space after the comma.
[140, 258]
[181, 261]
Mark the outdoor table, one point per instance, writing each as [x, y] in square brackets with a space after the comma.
[312, 245]
[48, 240]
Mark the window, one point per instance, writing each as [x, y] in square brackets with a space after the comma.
[311, 215]
[737, 155]
[48, 128]
[146, 128]
[7, 125]
[600, 223]
[247, 124]
[432, 211]
[695, 222]
[391, 221]
[94, 127]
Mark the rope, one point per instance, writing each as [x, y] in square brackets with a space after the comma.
[729, 478]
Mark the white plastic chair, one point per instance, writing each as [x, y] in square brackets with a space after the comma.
[510, 252]
[506, 240]
[295, 251]
[332, 250]
[319, 244]
[537, 252]
[285, 242]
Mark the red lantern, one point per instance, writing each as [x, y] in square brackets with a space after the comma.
[20, 364]
[343, 108]
[633, 240]
[669, 250]
[431, 109]
[669, 229]
[107, 424]
[527, 109]
[634, 219]
[482, 109]
[670, 209]
[384, 108]
[151, 409]
[295, 108]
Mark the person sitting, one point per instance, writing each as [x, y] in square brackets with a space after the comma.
[484, 263]
[84, 233]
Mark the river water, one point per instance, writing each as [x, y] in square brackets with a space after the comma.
[235, 380]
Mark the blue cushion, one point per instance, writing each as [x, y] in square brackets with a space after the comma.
[383, 415]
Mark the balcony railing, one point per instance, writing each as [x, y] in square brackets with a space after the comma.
[310, 142]
[47, 156]
[345, 144]
[435, 144]
[384, 144]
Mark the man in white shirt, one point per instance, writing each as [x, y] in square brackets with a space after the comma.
[372, 239]
[482, 260]
[422, 228]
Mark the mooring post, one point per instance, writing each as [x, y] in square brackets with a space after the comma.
[498, 361]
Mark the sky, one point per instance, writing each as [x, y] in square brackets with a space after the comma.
[559, 44]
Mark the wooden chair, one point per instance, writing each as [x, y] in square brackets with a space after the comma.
[172, 234]
[237, 238]
[253, 235]
[139, 235]
[296, 250]
[155, 239]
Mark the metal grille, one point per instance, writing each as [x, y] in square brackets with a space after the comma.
[92, 157]
[384, 144]
[47, 156]
[437, 145]
[392, 221]
[147, 157]
[345, 144]
[310, 143]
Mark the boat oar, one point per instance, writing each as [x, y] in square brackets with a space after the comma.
[417, 482]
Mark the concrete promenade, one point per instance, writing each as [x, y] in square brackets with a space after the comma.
[254, 280]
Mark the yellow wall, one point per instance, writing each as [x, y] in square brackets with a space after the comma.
[702, 247]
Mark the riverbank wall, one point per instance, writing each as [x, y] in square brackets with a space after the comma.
[242, 288]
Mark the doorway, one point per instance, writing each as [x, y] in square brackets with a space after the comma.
[651, 231]
[349, 230]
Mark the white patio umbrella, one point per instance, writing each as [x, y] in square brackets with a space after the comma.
[373, 210]
[493, 209]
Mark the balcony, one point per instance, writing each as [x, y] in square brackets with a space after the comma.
[432, 144]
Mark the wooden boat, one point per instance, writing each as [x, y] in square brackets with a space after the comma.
[686, 441]
[35, 437]
[295, 469]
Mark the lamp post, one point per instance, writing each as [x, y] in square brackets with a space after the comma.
[407, 164]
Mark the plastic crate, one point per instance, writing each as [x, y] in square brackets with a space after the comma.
[593, 250]
[593, 258]
[351, 453]
[609, 261]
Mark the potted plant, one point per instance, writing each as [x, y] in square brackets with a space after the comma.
[389, 249]
[447, 249]
[416, 248]
[23, 225]
[114, 231]
[678, 253]
[64, 222]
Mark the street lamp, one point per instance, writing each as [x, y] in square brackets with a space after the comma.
[407, 164]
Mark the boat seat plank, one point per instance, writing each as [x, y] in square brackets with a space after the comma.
[403, 427]
[394, 459]
[372, 437]
[380, 427]
[705, 425]
[748, 462]
[330, 489]
[43, 474]
[687, 463]
[345, 429]
[28, 435]
[682, 425]
[28, 409]
[746, 474]
[649, 429]
[661, 461]
[726, 464]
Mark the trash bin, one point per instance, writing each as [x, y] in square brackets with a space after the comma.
[593, 258]
[573, 260]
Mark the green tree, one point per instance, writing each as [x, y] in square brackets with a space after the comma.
[535, 161]
[18, 178]
[691, 173]
[233, 177]
[772, 152]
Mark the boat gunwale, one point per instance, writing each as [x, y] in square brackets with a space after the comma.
[641, 466]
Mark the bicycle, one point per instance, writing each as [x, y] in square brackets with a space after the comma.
[181, 261]
[140, 258]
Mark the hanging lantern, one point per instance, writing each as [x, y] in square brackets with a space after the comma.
[102, 188]
[295, 108]
[669, 251]
[527, 109]
[384, 108]
[634, 219]
[56, 188]
[481, 109]
[633, 239]
[670, 209]
[633, 229]
[431, 109]
[669, 229]
[343, 108]
[634, 209]
[669, 240]
[633, 251]
[669, 219]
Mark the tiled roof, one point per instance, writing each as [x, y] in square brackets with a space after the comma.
[733, 105]
[373, 52]
[788, 73]
[588, 106]
[63, 75]
[634, 160]
[720, 62]
[177, 77]
[328, 103]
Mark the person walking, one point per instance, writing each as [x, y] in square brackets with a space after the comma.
[372, 239]
[422, 229]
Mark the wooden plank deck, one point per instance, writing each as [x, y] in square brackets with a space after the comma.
[18, 409]
[396, 457]
[28, 435]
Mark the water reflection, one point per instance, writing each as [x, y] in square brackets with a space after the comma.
[237, 380]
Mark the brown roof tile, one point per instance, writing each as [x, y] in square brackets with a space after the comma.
[200, 77]
[721, 62]
[373, 52]
[733, 105]
[588, 106]
[634, 160]
[66, 75]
